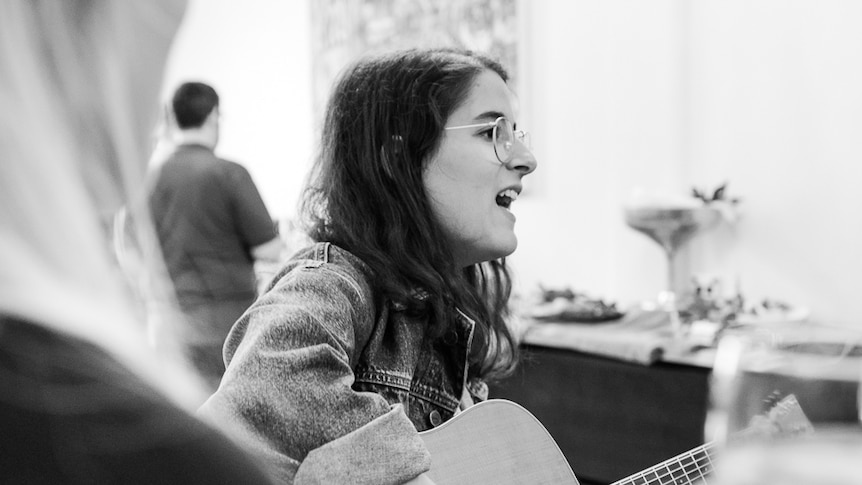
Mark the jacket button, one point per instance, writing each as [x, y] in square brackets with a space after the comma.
[435, 418]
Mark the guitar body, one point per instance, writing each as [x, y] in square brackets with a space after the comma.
[500, 442]
[497, 442]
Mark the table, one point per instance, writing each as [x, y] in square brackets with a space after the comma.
[611, 418]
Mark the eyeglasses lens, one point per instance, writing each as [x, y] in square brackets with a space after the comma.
[504, 139]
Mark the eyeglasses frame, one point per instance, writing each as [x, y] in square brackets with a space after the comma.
[518, 135]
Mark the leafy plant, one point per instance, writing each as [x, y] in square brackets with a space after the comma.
[719, 194]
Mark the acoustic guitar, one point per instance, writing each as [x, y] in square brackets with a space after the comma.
[500, 442]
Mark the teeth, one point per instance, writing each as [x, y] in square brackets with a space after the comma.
[506, 197]
[511, 194]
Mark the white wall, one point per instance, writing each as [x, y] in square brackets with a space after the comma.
[669, 94]
[619, 94]
[257, 55]
[607, 118]
[776, 105]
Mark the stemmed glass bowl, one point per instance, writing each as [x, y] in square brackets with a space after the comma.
[671, 228]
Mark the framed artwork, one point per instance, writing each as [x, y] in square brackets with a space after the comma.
[344, 30]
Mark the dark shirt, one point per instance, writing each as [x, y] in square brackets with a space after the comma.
[208, 215]
[71, 413]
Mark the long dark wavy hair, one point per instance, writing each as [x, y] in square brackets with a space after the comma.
[384, 121]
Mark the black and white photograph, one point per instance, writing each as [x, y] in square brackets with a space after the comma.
[588, 242]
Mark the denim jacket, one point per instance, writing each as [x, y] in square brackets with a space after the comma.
[330, 382]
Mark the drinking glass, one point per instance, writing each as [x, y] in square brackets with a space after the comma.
[785, 406]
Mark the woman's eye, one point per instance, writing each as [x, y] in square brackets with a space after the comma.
[487, 134]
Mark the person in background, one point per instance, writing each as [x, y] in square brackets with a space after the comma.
[83, 398]
[212, 226]
[395, 318]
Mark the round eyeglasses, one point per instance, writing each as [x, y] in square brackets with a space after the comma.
[504, 136]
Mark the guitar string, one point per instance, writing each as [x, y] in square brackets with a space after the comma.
[700, 468]
[686, 473]
[786, 406]
[695, 462]
[681, 473]
[683, 470]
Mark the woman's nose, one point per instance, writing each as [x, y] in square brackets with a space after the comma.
[523, 159]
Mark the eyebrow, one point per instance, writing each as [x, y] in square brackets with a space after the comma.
[493, 115]
[489, 115]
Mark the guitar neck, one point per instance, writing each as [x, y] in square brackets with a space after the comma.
[684, 469]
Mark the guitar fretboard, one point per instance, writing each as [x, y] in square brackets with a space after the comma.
[687, 468]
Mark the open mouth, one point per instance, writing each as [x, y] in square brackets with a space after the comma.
[506, 197]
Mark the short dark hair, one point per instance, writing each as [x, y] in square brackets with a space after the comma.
[385, 119]
[192, 103]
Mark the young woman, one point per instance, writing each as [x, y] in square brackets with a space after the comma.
[394, 319]
[83, 399]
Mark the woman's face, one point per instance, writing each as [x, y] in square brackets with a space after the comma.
[469, 189]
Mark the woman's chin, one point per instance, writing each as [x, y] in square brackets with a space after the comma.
[504, 249]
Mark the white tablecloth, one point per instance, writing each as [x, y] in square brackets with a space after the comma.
[640, 336]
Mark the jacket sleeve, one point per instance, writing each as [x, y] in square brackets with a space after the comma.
[288, 386]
